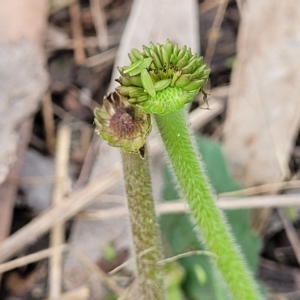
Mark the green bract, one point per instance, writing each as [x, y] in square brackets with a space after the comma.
[122, 124]
[162, 78]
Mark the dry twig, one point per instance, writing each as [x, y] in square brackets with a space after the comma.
[57, 214]
[58, 231]
[77, 33]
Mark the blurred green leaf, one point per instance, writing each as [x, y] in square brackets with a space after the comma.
[109, 252]
[201, 281]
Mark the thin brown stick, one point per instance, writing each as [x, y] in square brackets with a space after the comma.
[60, 213]
[100, 23]
[78, 43]
[264, 188]
[31, 258]
[58, 231]
[49, 126]
[208, 5]
[56, 5]
[44, 254]
[88, 162]
[101, 59]
[215, 31]
[180, 207]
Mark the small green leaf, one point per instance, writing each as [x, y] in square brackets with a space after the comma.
[165, 55]
[109, 252]
[175, 77]
[156, 59]
[147, 83]
[169, 48]
[133, 66]
[181, 52]
[162, 84]
[137, 54]
[183, 80]
[194, 85]
[138, 66]
[132, 58]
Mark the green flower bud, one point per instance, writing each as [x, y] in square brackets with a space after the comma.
[122, 124]
[166, 77]
[162, 84]
[183, 80]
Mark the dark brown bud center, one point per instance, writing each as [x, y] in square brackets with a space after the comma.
[123, 124]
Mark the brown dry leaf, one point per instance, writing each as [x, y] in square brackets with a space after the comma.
[264, 109]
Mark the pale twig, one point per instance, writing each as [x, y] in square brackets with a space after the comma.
[100, 23]
[215, 31]
[127, 262]
[56, 5]
[77, 33]
[208, 5]
[49, 126]
[185, 254]
[44, 254]
[31, 258]
[163, 261]
[172, 207]
[101, 59]
[58, 231]
[264, 188]
[60, 213]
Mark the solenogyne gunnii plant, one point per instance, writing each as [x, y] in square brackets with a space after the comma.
[122, 124]
[162, 78]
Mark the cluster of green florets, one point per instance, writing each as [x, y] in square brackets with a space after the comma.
[162, 78]
[159, 80]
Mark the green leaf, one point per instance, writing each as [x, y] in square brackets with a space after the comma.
[178, 231]
[138, 66]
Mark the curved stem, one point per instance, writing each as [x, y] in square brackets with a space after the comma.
[144, 227]
[208, 218]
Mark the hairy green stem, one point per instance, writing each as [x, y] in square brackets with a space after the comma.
[144, 226]
[208, 218]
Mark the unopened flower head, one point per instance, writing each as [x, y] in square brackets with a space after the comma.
[122, 124]
[162, 78]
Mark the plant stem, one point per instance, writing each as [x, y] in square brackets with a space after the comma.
[208, 218]
[144, 226]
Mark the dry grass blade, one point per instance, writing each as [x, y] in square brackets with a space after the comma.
[56, 5]
[77, 33]
[180, 207]
[57, 214]
[215, 31]
[44, 254]
[100, 24]
[49, 126]
[31, 258]
[58, 231]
